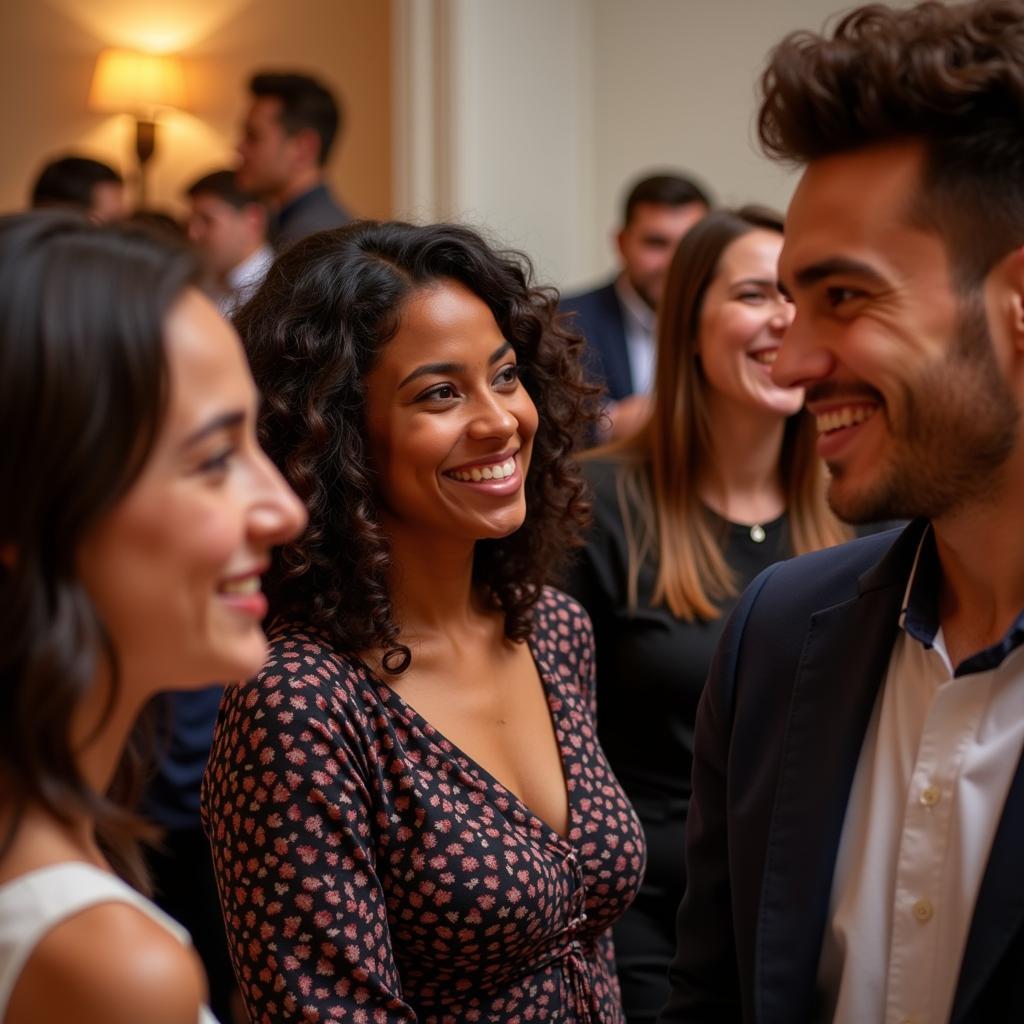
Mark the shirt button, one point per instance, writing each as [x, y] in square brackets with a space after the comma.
[923, 911]
[930, 796]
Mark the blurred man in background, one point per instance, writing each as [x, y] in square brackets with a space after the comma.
[289, 129]
[80, 183]
[229, 230]
[617, 319]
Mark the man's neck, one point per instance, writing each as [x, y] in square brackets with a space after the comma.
[299, 185]
[981, 551]
[633, 300]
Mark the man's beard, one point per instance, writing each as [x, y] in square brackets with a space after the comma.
[955, 428]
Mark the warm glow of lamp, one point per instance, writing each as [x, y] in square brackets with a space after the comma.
[126, 82]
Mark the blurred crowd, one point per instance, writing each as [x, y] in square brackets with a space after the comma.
[431, 647]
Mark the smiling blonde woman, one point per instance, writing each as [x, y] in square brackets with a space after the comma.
[722, 481]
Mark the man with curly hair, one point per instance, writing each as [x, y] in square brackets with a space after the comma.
[857, 823]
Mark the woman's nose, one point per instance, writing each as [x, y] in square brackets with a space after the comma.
[278, 515]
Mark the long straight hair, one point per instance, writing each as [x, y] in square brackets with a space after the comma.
[661, 509]
[83, 392]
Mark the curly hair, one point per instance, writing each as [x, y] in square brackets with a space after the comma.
[313, 331]
[951, 76]
[83, 392]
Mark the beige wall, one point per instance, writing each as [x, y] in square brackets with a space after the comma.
[546, 108]
[48, 49]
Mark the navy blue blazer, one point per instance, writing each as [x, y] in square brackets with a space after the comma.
[779, 732]
[598, 316]
[315, 210]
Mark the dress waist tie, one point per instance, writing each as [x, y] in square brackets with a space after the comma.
[580, 986]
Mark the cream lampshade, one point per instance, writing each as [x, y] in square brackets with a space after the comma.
[139, 84]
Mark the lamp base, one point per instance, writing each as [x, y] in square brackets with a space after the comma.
[145, 144]
[145, 140]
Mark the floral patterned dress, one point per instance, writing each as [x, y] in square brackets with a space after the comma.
[371, 872]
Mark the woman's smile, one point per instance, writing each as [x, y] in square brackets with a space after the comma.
[449, 419]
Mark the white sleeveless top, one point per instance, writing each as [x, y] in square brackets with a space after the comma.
[32, 904]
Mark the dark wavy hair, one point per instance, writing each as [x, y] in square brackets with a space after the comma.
[83, 389]
[313, 332]
[950, 75]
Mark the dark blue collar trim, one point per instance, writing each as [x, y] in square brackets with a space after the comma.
[921, 614]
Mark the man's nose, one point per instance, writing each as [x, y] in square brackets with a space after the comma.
[802, 359]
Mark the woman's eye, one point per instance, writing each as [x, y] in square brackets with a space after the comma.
[218, 463]
[439, 393]
[752, 298]
[507, 375]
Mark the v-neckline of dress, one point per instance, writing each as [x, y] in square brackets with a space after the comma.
[436, 738]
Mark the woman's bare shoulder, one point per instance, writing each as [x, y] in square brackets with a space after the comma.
[109, 964]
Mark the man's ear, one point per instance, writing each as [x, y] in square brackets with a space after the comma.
[620, 237]
[1016, 282]
[307, 144]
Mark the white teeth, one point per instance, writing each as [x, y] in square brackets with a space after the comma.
[247, 585]
[766, 356]
[847, 416]
[499, 471]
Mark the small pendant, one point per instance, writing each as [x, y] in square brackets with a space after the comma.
[757, 533]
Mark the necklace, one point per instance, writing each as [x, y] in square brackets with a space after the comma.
[757, 533]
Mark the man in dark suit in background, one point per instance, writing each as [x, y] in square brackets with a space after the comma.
[856, 830]
[290, 127]
[617, 319]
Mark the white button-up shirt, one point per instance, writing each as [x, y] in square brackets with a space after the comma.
[641, 345]
[937, 762]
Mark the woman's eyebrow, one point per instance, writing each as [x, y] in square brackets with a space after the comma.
[225, 421]
[442, 369]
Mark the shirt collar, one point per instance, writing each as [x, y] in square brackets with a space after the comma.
[919, 614]
[633, 306]
[252, 268]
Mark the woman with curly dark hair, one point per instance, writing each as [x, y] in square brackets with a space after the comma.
[410, 814]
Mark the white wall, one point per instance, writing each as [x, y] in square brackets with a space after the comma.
[551, 106]
[504, 140]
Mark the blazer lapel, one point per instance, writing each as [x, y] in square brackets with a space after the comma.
[999, 910]
[619, 372]
[844, 660]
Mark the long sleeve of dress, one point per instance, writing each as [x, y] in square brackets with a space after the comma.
[288, 811]
[370, 871]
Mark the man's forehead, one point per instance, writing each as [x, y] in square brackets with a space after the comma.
[852, 201]
[648, 214]
[265, 109]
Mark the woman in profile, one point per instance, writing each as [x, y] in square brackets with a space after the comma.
[410, 814]
[139, 512]
[722, 481]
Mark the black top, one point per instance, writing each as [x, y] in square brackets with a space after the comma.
[369, 870]
[651, 666]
